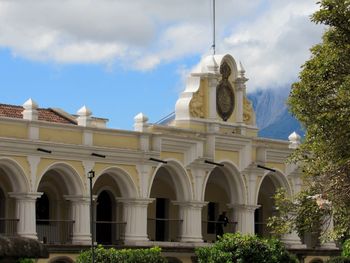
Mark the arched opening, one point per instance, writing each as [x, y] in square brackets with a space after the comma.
[104, 217]
[54, 215]
[267, 190]
[111, 185]
[218, 193]
[12, 180]
[169, 185]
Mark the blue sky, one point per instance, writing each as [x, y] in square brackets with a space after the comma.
[123, 57]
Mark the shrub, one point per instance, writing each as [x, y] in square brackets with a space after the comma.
[245, 249]
[346, 248]
[340, 259]
[112, 255]
[25, 260]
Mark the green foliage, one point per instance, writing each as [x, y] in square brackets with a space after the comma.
[25, 260]
[339, 260]
[321, 102]
[112, 255]
[245, 249]
[346, 248]
[302, 214]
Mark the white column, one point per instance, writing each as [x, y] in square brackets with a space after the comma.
[292, 240]
[244, 216]
[80, 213]
[240, 92]
[25, 212]
[135, 216]
[212, 83]
[239, 101]
[328, 226]
[191, 227]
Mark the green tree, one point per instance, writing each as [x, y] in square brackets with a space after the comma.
[320, 100]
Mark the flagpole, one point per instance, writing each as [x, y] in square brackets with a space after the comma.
[213, 46]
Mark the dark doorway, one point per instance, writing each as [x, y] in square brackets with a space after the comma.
[258, 222]
[43, 210]
[161, 215]
[212, 216]
[104, 218]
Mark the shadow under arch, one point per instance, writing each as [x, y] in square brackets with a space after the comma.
[269, 184]
[111, 185]
[15, 174]
[70, 176]
[223, 188]
[179, 178]
[278, 179]
[126, 184]
[234, 184]
[56, 220]
[170, 188]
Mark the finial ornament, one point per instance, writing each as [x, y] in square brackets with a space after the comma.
[295, 140]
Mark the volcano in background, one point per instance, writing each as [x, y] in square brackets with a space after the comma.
[272, 116]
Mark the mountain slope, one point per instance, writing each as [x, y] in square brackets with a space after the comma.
[272, 116]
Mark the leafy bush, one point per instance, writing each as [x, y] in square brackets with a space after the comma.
[25, 260]
[112, 255]
[346, 248]
[245, 249]
[339, 260]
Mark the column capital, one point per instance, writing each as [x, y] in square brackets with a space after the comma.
[191, 204]
[135, 201]
[253, 169]
[25, 196]
[250, 208]
[79, 198]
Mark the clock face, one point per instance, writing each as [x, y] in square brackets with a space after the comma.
[225, 98]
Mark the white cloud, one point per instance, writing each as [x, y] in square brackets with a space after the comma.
[271, 37]
[275, 45]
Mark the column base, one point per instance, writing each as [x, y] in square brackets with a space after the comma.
[133, 238]
[329, 245]
[82, 239]
[29, 235]
[293, 244]
[191, 239]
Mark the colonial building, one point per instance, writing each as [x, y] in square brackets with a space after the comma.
[162, 184]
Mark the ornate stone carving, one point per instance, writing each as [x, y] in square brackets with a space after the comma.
[225, 98]
[247, 110]
[197, 104]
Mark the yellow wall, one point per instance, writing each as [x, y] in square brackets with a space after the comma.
[279, 166]
[172, 155]
[117, 141]
[227, 155]
[13, 130]
[60, 135]
[252, 133]
[23, 162]
[130, 169]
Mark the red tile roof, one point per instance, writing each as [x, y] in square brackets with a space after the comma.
[49, 115]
